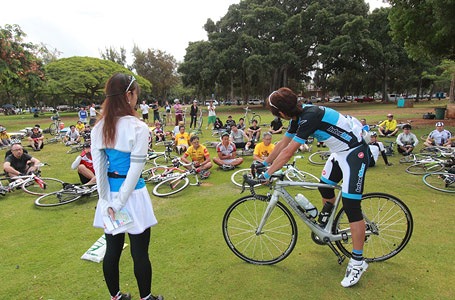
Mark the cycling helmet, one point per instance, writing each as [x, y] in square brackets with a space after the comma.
[2, 129]
[439, 124]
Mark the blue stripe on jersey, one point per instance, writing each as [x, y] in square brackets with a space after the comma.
[289, 135]
[321, 135]
[330, 116]
[299, 140]
[352, 196]
[326, 180]
[119, 162]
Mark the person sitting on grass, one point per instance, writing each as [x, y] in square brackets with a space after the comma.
[200, 157]
[160, 136]
[5, 138]
[388, 127]
[72, 136]
[376, 147]
[182, 140]
[36, 139]
[227, 153]
[276, 126]
[264, 148]
[439, 136]
[406, 141]
[18, 163]
[84, 165]
[254, 131]
[238, 137]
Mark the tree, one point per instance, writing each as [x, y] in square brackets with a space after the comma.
[21, 72]
[426, 28]
[159, 68]
[81, 79]
[115, 56]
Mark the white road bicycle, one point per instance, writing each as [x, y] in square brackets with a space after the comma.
[69, 193]
[262, 230]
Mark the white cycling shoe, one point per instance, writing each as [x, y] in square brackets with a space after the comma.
[353, 273]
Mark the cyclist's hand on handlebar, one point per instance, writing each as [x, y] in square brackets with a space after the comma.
[258, 168]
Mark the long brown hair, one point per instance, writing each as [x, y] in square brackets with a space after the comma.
[284, 100]
[116, 104]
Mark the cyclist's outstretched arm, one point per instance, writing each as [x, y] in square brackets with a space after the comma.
[278, 148]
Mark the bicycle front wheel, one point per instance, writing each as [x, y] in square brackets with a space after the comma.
[57, 198]
[237, 177]
[389, 227]
[53, 129]
[319, 157]
[153, 174]
[444, 182]
[50, 185]
[302, 176]
[170, 186]
[274, 243]
[424, 168]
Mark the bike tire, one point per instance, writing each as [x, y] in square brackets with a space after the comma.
[237, 177]
[151, 174]
[390, 230]
[164, 160]
[75, 149]
[302, 176]
[422, 168]
[57, 198]
[319, 157]
[170, 186]
[51, 185]
[439, 182]
[256, 118]
[277, 239]
[53, 129]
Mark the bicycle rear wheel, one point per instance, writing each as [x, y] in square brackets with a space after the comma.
[153, 174]
[256, 118]
[273, 244]
[170, 186]
[237, 177]
[425, 167]
[302, 176]
[57, 198]
[50, 185]
[389, 226]
[441, 181]
[319, 157]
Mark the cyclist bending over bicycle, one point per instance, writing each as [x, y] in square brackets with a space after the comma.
[19, 163]
[348, 162]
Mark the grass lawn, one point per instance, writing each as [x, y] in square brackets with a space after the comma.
[41, 247]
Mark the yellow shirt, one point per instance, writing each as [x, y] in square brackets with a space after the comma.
[199, 154]
[389, 125]
[4, 136]
[80, 127]
[182, 139]
[262, 150]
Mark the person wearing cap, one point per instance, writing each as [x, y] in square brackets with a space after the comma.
[376, 148]
[263, 149]
[406, 141]
[388, 127]
[84, 165]
[226, 153]
[439, 136]
[182, 140]
[36, 139]
[17, 162]
[211, 115]
[193, 113]
[200, 157]
[5, 138]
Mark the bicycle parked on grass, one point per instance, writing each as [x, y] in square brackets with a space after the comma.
[31, 184]
[441, 181]
[160, 173]
[178, 183]
[163, 158]
[260, 229]
[69, 193]
[255, 117]
[291, 172]
[54, 128]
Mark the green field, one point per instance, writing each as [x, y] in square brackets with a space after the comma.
[41, 248]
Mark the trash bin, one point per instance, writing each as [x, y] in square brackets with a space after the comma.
[440, 113]
[400, 102]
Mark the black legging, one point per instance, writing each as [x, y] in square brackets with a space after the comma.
[139, 252]
[193, 120]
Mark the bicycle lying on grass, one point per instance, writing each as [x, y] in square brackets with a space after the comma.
[160, 173]
[31, 184]
[163, 158]
[441, 181]
[69, 193]
[177, 183]
[260, 229]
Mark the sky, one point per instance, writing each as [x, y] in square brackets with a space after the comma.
[88, 27]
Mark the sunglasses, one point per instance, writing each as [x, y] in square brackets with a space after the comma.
[133, 79]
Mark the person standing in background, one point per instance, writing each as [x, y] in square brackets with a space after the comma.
[193, 113]
[119, 150]
[212, 115]
[145, 111]
[178, 111]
